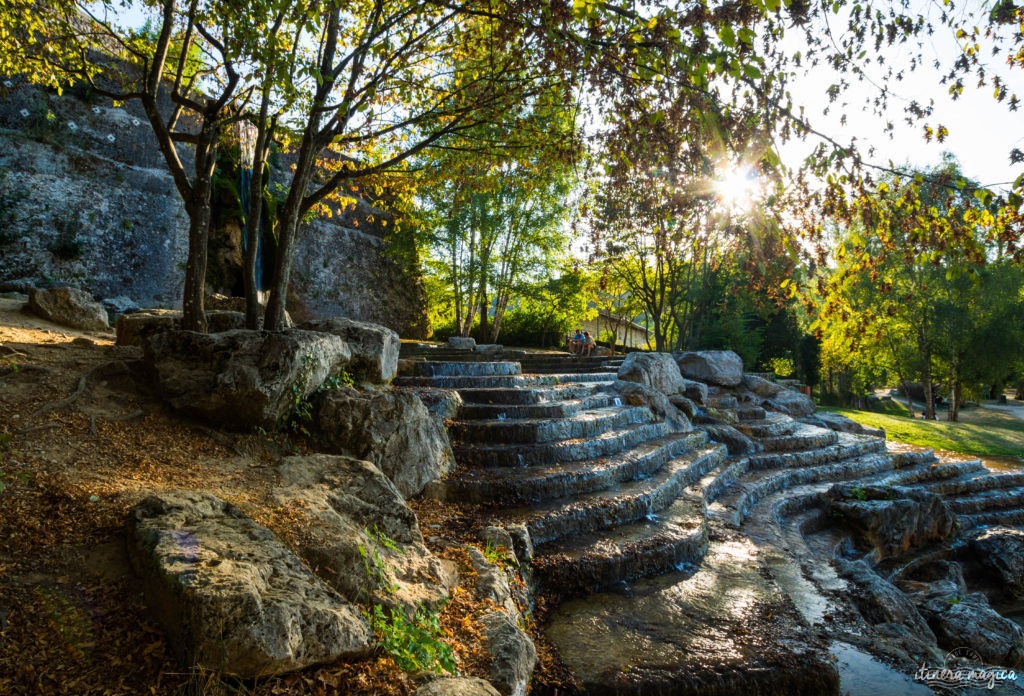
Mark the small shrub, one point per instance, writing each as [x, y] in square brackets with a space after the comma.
[415, 645]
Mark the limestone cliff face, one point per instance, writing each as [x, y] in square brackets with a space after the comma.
[85, 200]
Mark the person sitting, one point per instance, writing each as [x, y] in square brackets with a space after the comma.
[576, 341]
[588, 344]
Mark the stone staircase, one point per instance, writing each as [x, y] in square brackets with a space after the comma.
[669, 558]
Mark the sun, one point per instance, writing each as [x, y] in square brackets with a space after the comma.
[736, 187]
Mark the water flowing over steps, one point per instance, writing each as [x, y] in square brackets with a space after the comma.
[678, 568]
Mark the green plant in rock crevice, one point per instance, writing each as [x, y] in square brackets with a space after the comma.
[413, 643]
[300, 407]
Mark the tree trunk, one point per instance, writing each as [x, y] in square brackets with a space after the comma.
[199, 213]
[288, 228]
[194, 317]
[254, 216]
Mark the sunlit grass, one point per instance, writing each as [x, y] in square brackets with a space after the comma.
[980, 432]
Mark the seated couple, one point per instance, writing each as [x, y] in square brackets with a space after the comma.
[581, 343]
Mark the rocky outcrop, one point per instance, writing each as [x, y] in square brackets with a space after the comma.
[231, 596]
[443, 403]
[361, 537]
[68, 307]
[695, 391]
[391, 429]
[1000, 549]
[722, 367]
[374, 347]
[968, 620]
[879, 601]
[891, 520]
[456, 686]
[133, 327]
[777, 397]
[683, 404]
[791, 402]
[242, 378]
[637, 394]
[735, 441]
[513, 655]
[492, 583]
[656, 370]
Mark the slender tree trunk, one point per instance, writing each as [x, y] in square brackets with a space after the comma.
[254, 216]
[193, 314]
[288, 228]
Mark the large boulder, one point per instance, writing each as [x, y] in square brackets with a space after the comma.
[68, 307]
[1000, 550]
[657, 370]
[391, 429]
[637, 394]
[735, 441]
[374, 347]
[135, 326]
[445, 404]
[361, 537]
[722, 367]
[242, 378]
[513, 655]
[116, 306]
[231, 596]
[695, 391]
[777, 397]
[456, 686]
[879, 601]
[970, 621]
[891, 519]
[791, 402]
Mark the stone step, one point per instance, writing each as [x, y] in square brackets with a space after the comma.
[986, 501]
[528, 395]
[532, 430]
[802, 437]
[1011, 517]
[519, 454]
[499, 381]
[750, 492]
[651, 546]
[719, 629]
[518, 484]
[557, 409]
[772, 425]
[846, 447]
[572, 369]
[972, 483]
[547, 363]
[714, 484]
[465, 369]
[620, 504]
[922, 473]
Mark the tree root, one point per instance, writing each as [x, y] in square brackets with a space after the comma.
[61, 404]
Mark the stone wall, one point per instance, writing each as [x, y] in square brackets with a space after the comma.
[86, 200]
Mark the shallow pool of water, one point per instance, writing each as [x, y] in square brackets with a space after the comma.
[861, 674]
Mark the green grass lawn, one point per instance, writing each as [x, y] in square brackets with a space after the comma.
[980, 431]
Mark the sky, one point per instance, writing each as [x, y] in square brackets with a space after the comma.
[981, 130]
